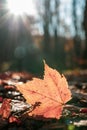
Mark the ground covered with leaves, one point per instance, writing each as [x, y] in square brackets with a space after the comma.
[48, 103]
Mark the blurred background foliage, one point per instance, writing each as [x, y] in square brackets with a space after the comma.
[57, 34]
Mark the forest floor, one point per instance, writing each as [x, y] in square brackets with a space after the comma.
[74, 116]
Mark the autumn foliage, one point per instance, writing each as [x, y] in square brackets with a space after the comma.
[5, 109]
[47, 95]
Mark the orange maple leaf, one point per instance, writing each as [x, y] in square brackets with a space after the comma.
[51, 92]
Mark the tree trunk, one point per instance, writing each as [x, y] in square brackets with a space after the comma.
[85, 29]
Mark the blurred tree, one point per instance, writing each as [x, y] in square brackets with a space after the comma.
[46, 21]
[74, 4]
[77, 22]
[85, 30]
[55, 28]
[3, 30]
[49, 15]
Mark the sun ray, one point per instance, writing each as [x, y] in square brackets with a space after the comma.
[16, 23]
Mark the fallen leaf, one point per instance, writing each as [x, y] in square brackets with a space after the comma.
[5, 109]
[14, 119]
[48, 95]
[83, 110]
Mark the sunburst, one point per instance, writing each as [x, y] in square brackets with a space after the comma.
[20, 7]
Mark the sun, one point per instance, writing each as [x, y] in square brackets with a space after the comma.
[20, 7]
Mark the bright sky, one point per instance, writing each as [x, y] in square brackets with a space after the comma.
[19, 7]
